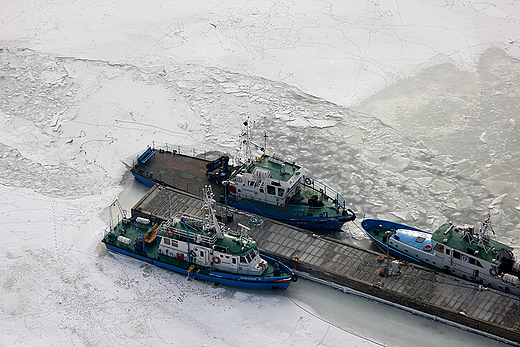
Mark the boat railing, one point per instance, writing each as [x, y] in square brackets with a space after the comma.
[325, 190]
[274, 256]
[205, 154]
[263, 204]
[169, 228]
[113, 220]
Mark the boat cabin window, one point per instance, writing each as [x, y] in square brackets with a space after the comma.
[479, 264]
[243, 260]
[261, 189]
[201, 253]
[271, 190]
[275, 183]
[166, 241]
[472, 260]
[281, 191]
[456, 255]
[447, 251]
[234, 260]
[439, 248]
[251, 183]
[249, 258]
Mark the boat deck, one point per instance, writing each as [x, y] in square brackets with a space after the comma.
[179, 171]
[455, 239]
[415, 287]
[149, 250]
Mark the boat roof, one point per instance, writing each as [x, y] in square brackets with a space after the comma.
[232, 242]
[274, 165]
[456, 240]
[414, 238]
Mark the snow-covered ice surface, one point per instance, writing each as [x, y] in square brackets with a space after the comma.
[409, 109]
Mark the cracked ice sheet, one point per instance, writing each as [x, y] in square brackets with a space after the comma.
[59, 283]
[218, 110]
[60, 286]
[249, 40]
[340, 50]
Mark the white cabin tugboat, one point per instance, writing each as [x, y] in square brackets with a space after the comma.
[271, 187]
[458, 250]
[200, 248]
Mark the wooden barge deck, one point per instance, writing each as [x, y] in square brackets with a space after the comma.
[328, 259]
[169, 168]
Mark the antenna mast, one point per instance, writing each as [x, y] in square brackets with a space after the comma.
[247, 142]
[209, 205]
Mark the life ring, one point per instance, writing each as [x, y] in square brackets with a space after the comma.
[493, 272]
[283, 207]
[427, 248]
[288, 200]
[216, 260]
[308, 181]
[239, 179]
[169, 231]
[297, 190]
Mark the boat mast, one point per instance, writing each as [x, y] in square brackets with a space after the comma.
[247, 142]
[483, 235]
[208, 204]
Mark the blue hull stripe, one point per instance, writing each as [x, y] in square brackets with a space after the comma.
[227, 280]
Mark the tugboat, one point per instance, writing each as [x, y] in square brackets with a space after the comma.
[274, 188]
[200, 248]
[265, 185]
[457, 250]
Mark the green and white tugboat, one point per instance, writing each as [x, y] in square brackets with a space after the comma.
[204, 249]
[457, 249]
[272, 187]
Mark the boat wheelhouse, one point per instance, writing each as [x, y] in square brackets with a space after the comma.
[458, 250]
